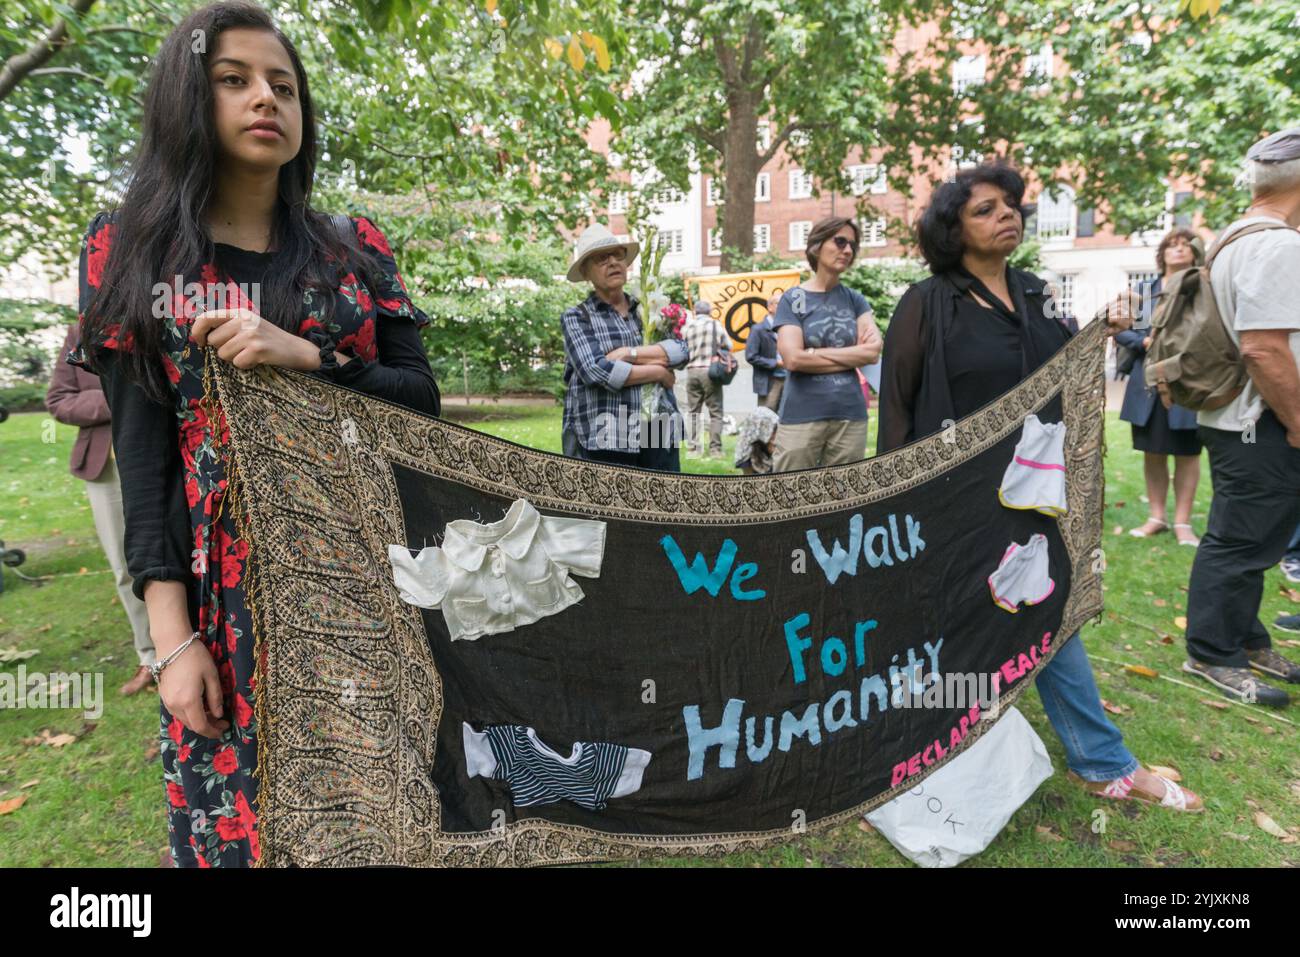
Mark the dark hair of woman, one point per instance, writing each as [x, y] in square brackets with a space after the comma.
[1172, 237]
[823, 230]
[158, 230]
[938, 232]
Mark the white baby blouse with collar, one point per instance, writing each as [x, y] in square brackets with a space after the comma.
[490, 579]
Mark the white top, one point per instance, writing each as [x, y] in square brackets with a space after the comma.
[1256, 285]
[489, 579]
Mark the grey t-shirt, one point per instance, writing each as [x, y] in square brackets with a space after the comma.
[829, 320]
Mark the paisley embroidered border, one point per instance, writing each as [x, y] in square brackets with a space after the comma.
[348, 699]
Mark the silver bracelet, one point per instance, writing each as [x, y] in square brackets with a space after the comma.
[156, 668]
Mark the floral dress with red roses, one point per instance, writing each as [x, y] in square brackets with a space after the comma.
[211, 788]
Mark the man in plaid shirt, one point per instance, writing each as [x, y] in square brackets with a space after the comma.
[606, 364]
[707, 340]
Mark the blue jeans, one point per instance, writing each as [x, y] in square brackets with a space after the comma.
[1094, 747]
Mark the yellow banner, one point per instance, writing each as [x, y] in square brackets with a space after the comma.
[739, 300]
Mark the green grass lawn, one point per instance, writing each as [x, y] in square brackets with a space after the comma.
[98, 800]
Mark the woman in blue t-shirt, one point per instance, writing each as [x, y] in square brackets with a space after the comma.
[825, 333]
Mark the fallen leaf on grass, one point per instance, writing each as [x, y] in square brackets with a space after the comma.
[1122, 846]
[1250, 720]
[1290, 593]
[13, 804]
[1160, 603]
[1142, 670]
[1216, 754]
[54, 740]
[1166, 639]
[1168, 773]
[1114, 708]
[151, 753]
[1181, 622]
[1270, 826]
[1237, 837]
[1288, 642]
[1118, 530]
[1128, 647]
[13, 654]
[1046, 833]
[45, 627]
[1216, 705]
[1267, 729]
[865, 826]
[30, 784]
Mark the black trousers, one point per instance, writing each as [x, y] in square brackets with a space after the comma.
[1253, 514]
[660, 459]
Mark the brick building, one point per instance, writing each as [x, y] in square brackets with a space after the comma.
[1089, 262]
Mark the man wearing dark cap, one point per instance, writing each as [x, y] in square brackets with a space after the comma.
[1253, 441]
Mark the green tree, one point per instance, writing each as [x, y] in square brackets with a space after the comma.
[707, 71]
[1142, 92]
[462, 122]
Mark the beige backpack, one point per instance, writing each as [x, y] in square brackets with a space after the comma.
[1192, 360]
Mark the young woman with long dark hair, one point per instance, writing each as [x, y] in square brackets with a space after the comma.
[218, 195]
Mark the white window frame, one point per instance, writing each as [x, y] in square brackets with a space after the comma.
[764, 135]
[712, 196]
[800, 139]
[800, 185]
[867, 176]
[968, 72]
[618, 202]
[1040, 67]
[799, 230]
[715, 241]
[763, 188]
[673, 241]
[1062, 224]
[873, 232]
[762, 238]
[1066, 288]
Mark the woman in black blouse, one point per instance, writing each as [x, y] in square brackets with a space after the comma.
[957, 341]
[218, 197]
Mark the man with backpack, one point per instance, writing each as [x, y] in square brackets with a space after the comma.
[1251, 429]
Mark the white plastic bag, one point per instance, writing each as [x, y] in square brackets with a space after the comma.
[957, 812]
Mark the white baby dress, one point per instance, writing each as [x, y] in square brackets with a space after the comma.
[493, 578]
[1022, 575]
[1035, 477]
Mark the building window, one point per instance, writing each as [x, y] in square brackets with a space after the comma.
[800, 184]
[672, 241]
[1038, 67]
[762, 238]
[799, 235]
[967, 72]
[799, 139]
[1056, 213]
[873, 232]
[763, 188]
[1136, 279]
[867, 177]
[715, 242]
[668, 197]
[618, 202]
[1066, 298]
[1184, 219]
[764, 134]
[713, 195]
[964, 158]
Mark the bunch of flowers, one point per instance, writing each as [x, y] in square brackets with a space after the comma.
[669, 322]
